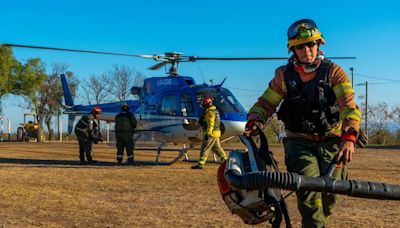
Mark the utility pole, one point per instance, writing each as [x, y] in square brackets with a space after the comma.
[352, 76]
[366, 108]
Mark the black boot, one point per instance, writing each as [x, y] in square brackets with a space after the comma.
[198, 166]
[91, 162]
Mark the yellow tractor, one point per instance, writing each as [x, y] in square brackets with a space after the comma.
[29, 130]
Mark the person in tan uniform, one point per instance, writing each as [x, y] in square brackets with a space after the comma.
[322, 121]
[211, 134]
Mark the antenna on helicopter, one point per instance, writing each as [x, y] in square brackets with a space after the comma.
[202, 76]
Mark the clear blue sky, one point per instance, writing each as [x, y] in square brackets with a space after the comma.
[207, 28]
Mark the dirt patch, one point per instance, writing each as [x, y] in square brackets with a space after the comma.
[43, 185]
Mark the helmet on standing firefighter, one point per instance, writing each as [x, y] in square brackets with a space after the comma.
[303, 31]
[207, 100]
[96, 110]
[125, 107]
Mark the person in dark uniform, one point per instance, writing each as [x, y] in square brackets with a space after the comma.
[211, 134]
[125, 124]
[85, 131]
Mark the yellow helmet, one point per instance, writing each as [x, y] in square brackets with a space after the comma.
[303, 31]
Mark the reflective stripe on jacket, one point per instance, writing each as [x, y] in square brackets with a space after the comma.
[86, 123]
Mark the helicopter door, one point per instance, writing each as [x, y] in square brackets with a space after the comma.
[188, 112]
[168, 105]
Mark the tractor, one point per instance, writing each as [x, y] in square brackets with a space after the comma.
[29, 130]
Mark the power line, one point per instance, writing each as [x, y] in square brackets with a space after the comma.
[377, 83]
[379, 78]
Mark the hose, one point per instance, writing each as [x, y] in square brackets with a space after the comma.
[295, 182]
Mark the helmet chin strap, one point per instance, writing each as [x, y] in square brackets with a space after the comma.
[307, 67]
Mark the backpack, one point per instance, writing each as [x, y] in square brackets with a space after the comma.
[255, 206]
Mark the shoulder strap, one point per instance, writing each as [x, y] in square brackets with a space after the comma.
[293, 82]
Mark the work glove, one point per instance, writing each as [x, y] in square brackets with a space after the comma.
[206, 137]
[251, 127]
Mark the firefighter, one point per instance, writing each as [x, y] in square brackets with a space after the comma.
[322, 120]
[125, 124]
[85, 131]
[211, 134]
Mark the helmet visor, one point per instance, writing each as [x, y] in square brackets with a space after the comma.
[302, 29]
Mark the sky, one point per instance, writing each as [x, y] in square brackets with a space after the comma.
[369, 32]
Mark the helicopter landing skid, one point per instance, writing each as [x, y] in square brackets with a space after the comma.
[181, 153]
[215, 160]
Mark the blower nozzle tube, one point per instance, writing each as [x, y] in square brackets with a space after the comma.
[295, 182]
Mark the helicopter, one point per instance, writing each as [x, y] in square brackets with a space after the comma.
[169, 107]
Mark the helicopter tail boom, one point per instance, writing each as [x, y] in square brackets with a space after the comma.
[67, 93]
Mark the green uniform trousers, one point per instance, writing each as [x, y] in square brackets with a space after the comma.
[125, 140]
[312, 159]
[211, 144]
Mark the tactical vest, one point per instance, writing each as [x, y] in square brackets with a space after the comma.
[125, 122]
[83, 123]
[310, 107]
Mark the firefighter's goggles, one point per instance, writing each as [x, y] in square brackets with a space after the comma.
[309, 44]
[302, 30]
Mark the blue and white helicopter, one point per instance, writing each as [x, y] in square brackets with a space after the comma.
[170, 106]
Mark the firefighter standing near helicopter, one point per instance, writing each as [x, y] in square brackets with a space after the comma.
[319, 112]
[125, 124]
[87, 132]
[211, 134]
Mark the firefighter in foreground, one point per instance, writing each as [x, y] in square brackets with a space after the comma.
[211, 134]
[125, 124]
[319, 112]
[87, 132]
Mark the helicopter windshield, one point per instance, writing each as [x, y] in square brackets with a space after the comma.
[224, 100]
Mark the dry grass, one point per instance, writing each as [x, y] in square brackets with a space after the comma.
[42, 185]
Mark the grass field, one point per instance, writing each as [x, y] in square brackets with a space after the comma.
[43, 185]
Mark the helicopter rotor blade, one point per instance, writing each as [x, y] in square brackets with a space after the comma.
[157, 66]
[71, 50]
[195, 58]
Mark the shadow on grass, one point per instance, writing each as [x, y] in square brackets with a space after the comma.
[50, 163]
[76, 164]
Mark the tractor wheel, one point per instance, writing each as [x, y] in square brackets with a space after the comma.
[20, 134]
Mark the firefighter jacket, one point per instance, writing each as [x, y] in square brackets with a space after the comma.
[213, 121]
[350, 115]
[86, 125]
[125, 122]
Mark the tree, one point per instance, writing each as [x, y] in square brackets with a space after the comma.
[52, 89]
[396, 116]
[9, 68]
[96, 89]
[32, 77]
[121, 80]
[379, 118]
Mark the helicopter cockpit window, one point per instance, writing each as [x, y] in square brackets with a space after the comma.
[187, 105]
[168, 105]
[224, 100]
